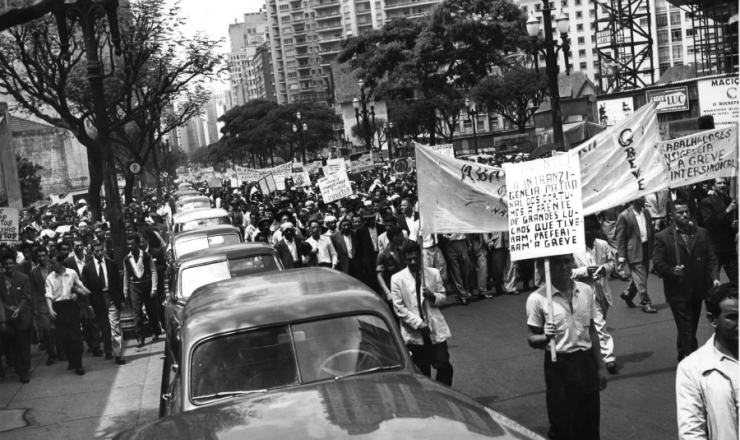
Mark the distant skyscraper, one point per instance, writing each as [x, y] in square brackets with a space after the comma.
[245, 40]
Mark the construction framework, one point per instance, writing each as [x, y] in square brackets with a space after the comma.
[624, 44]
[715, 24]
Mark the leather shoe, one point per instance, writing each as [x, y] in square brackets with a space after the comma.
[98, 353]
[108, 356]
[140, 343]
[611, 367]
[23, 378]
[80, 371]
[50, 361]
[514, 292]
[120, 360]
[629, 302]
[461, 299]
[648, 309]
[485, 295]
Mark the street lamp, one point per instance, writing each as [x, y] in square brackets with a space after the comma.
[300, 129]
[87, 13]
[364, 101]
[551, 60]
[472, 117]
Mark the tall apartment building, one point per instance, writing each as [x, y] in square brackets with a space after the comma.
[246, 39]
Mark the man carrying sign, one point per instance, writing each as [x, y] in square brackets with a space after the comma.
[573, 382]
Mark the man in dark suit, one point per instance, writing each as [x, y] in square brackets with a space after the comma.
[53, 345]
[635, 247]
[345, 243]
[90, 330]
[720, 217]
[100, 275]
[407, 215]
[367, 249]
[291, 249]
[15, 291]
[160, 263]
[684, 259]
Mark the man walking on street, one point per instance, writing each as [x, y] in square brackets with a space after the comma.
[720, 217]
[635, 247]
[423, 326]
[707, 380]
[686, 275]
[15, 292]
[101, 277]
[574, 381]
[52, 343]
[140, 279]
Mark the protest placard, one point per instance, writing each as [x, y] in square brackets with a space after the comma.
[701, 156]
[9, 225]
[335, 187]
[445, 149]
[267, 184]
[400, 166]
[361, 162]
[301, 179]
[334, 166]
[545, 207]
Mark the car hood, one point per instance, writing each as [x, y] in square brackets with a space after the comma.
[379, 406]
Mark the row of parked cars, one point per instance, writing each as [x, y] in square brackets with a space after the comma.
[256, 351]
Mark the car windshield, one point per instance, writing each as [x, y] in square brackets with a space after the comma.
[197, 276]
[292, 354]
[200, 223]
[196, 244]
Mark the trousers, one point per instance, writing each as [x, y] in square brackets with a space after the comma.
[141, 297]
[687, 315]
[458, 265]
[433, 258]
[68, 330]
[496, 266]
[639, 272]
[16, 345]
[432, 355]
[48, 334]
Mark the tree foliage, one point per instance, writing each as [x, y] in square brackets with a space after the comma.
[516, 94]
[377, 133]
[30, 181]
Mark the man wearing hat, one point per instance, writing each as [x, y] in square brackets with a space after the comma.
[263, 232]
[291, 249]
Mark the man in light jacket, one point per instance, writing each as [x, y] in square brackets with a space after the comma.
[416, 303]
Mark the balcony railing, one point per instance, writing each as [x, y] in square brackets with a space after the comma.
[327, 16]
[325, 4]
[405, 3]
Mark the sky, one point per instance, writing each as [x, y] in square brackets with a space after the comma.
[213, 18]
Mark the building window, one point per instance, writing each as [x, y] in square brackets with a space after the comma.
[581, 40]
[584, 66]
[593, 38]
[581, 53]
[579, 27]
[690, 50]
[593, 26]
[663, 36]
[579, 14]
[592, 13]
[578, 2]
[292, 74]
[285, 19]
[662, 20]
[676, 35]
[294, 86]
[643, 22]
[288, 41]
[676, 18]
[563, 4]
[537, 7]
[689, 32]
[677, 52]
[664, 53]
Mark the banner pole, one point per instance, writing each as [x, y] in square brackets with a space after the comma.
[675, 229]
[548, 283]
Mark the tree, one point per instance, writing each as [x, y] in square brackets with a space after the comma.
[155, 85]
[433, 57]
[407, 119]
[377, 134]
[30, 181]
[516, 94]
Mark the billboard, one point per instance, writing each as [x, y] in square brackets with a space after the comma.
[674, 99]
[615, 110]
[718, 98]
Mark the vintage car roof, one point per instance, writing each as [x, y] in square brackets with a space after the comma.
[193, 198]
[186, 192]
[206, 231]
[230, 252]
[198, 214]
[272, 298]
[374, 406]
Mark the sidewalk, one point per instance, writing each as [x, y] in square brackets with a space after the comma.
[57, 404]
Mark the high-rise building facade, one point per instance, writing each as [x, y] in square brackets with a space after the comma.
[245, 40]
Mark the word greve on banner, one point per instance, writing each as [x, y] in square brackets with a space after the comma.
[545, 207]
[335, 186]
[701, 156]
[459, 196]
[9, 225]
[623, 162]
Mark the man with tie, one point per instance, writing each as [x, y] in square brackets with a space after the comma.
[635, 248]
[345, 243]
[416, 303]
[684, 258]
[15, 292]
[290, 248]
[101, 277]
[90, 330]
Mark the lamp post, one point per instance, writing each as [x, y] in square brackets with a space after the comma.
[551, 60]
[473, 116]
[363, 102]
[87, 13]
[300, 129]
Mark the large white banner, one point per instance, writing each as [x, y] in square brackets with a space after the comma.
[545, 207]
[718, 98]
[623, 162]
[459, 196]
[280, 173]
[701, 156]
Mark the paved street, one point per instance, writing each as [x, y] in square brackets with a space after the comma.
[492, 361]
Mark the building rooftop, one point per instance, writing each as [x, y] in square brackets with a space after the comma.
[18, 125]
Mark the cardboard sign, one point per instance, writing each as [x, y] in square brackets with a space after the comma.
[9, 225]
[361, 162]
[701, 156]
[335, 187]
[301, 179]
[267, 184]
[545, 207]
[334, 166]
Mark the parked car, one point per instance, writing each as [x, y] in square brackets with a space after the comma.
[189, 220]
[191, 271]
[306, 353]
[189, 203]
[186, 193]
[204, 238]
[184, 186]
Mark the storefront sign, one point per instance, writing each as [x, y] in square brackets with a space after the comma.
[718, 98]
[675, 99]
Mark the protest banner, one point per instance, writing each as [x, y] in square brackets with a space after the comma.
[9, 225]
[623, 162]
[361, 162]
[335, 187]
[545, 213]
[446, 149]
[701, 156]
[459, 196]
[312, 167]
[334, 166]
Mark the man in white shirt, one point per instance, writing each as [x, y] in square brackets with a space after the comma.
[707, 380]
[62, 287]
[322, 253]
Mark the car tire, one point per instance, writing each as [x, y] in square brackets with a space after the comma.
[165, 386]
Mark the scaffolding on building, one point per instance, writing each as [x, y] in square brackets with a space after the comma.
[715, 25]
[624, 44]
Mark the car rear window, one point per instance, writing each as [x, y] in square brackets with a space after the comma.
[200, 243]
[200, 223]
[197, 276]
[189, 206]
